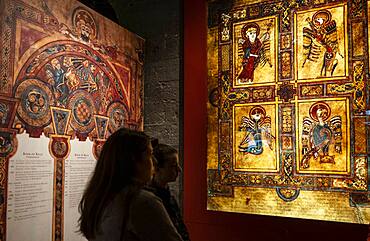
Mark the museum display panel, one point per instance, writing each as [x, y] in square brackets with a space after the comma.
[288, 133]
[68, 79]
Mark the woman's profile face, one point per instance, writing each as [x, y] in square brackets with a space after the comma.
[170, 169]
[145, 165]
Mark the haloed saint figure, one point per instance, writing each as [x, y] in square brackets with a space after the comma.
[257, 130]
[319, 133]
[255, 51]
[321, 37]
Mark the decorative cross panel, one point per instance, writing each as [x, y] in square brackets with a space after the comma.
[291, 106]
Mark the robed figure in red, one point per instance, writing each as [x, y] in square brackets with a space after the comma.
[254, 51]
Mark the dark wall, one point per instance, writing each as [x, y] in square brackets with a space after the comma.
[103, 7]
[158, 22]
[221, 226]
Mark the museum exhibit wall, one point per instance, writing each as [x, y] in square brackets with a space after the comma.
[69, 78]
[237, 222]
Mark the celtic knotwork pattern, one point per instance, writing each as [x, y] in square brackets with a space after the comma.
[263, 93]
[225, 102]
[361, 135]
[357, 87]
[216, 187]
[286, 65]
[360, 180]
[311, 90]
[59, 195]
[225, 53]
[285, 8]
[357, 8]
[359, 80]
[287, 119]
[7, 35]
[3, 193]
[287, 177]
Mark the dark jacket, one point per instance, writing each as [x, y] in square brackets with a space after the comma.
[172, 208]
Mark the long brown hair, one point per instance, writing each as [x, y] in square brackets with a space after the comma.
[115, 169]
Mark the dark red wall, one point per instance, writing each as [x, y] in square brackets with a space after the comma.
[219, 226]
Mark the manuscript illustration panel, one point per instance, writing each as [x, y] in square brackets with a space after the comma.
[295, 137]
[323, 136]
[321, 43]
[255, 137]
[255, 51]
[68, 78]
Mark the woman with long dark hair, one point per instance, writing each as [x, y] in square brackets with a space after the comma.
[115, 206]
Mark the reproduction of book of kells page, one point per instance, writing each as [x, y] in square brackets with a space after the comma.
[68, 79]
[288, 109]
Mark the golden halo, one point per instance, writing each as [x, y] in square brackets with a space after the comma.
[249, 26]
[324, 14]
[319, 105]
[257, 109]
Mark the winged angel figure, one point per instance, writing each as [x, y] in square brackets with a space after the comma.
[253, 51]
[322, 33]
[318, 134]
[257, 131]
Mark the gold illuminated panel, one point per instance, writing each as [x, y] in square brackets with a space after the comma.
[321, 40]
[323, 133]
[248, 68]
[251, 141]
[288, 133]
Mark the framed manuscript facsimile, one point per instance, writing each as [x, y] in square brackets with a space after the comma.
[288, 133]
[68, 79]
